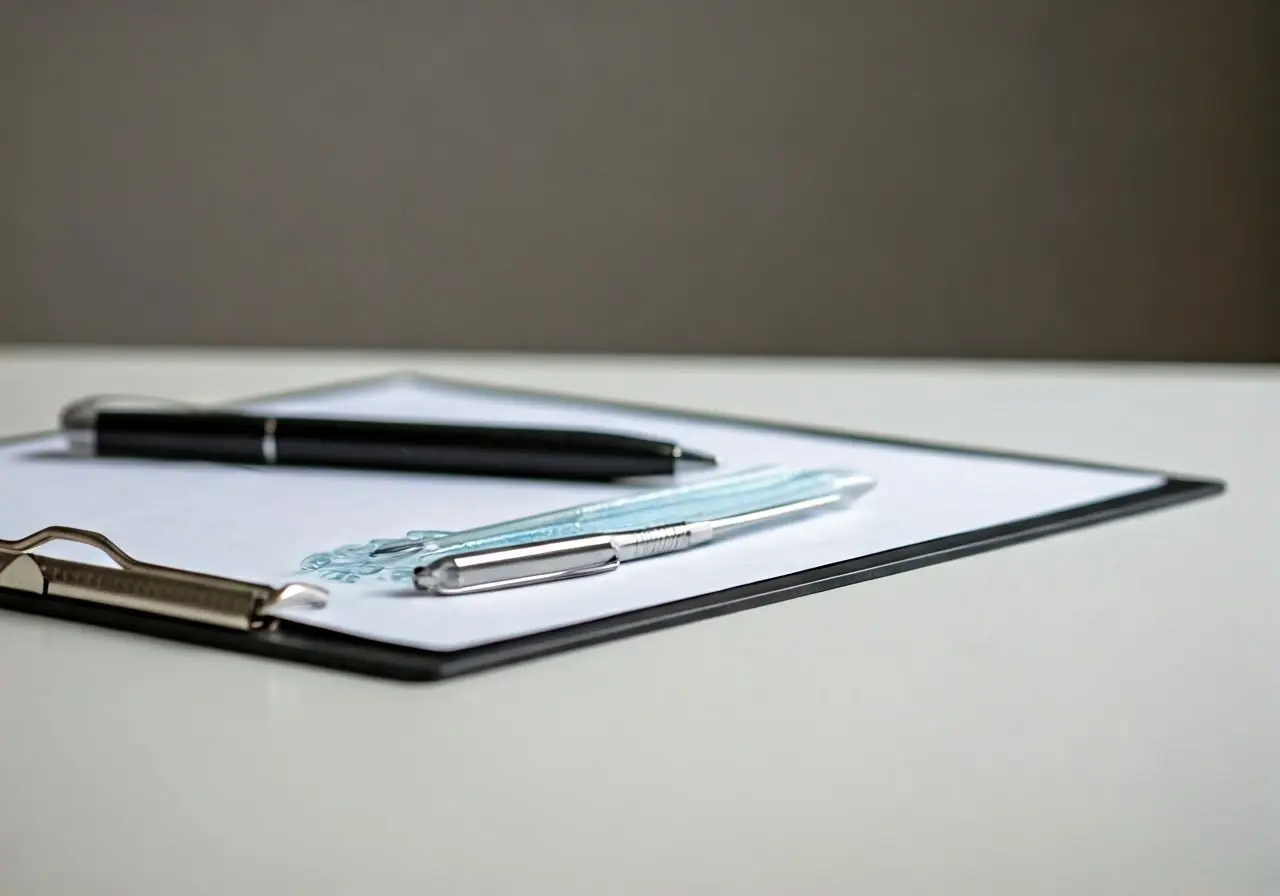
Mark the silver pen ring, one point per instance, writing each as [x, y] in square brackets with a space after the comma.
[269, 440]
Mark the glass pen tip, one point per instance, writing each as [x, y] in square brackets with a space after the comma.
[396, 547]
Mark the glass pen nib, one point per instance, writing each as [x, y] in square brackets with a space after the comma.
[398, 546]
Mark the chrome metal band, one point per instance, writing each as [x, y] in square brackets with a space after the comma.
[269, 441]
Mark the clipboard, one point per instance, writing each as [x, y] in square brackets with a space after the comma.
[232, 614]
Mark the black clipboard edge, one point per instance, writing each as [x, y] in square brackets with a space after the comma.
[306, 644]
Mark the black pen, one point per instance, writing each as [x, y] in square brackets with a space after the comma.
[96, 428]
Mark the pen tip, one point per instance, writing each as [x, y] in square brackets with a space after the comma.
[686, 458]
[396, 547]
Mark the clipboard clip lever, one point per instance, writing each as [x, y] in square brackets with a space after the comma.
[144, 587]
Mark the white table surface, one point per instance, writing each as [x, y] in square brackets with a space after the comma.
[1098, 712]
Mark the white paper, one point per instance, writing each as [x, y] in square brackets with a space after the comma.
[258, 523]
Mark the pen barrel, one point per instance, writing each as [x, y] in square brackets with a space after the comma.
[472, 450]
[553, 560]
[230, 437]
[226, 438]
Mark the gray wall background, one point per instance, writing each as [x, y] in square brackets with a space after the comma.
[1063, 178]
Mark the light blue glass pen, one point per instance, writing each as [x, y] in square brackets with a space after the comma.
[730, 484]
[489, 569]
[720, 496]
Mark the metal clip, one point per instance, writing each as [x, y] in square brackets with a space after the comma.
[526, 564]
[144, 587]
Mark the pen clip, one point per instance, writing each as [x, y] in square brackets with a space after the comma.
[537, 578]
